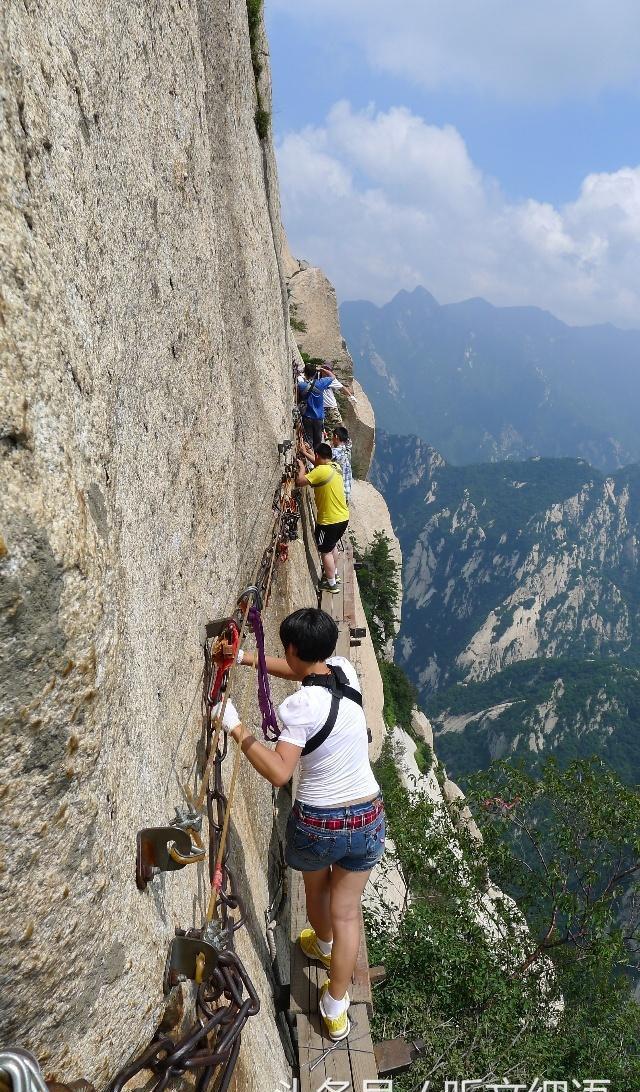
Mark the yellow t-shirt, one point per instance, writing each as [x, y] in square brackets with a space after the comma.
[328, 488]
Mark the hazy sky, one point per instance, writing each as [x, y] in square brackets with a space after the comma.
[478, 147]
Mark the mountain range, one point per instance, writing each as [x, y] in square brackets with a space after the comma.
[521, 611]
[483, 383]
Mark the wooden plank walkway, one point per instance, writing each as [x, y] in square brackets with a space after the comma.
[352, 1061]
[304, 979]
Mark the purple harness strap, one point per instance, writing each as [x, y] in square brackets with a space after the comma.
[270, 726]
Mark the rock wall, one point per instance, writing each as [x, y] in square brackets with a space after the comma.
[313, 306]
[146, 384]
[369, 513]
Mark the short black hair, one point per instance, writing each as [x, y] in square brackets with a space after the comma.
[310, 371]
[342, 434]
[312, 632]
[324, 451]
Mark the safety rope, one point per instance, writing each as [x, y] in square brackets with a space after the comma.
[270, 729]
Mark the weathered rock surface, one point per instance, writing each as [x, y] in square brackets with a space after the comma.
[368, 513]
[366, 664]
[147, 382]
[313, 305]
[422, 727]
[312, 299]
[509, 562]
[360, 420]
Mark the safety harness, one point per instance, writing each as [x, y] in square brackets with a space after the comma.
[338, 683]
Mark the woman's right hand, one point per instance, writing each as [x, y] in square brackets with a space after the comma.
[230, 719]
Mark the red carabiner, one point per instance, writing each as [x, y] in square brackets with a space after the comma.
[231, 635]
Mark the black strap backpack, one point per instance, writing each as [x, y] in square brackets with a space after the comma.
[338, 683]
[304, 396]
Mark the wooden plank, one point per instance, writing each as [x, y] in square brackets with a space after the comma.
[343, 645]
[360, 989]
[349, 590]
[302, 982]
[310, 1048]
[333, 604]
[361, 1054]
[338, 1062]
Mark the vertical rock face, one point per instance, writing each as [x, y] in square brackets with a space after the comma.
[314, 313]
[146, 385]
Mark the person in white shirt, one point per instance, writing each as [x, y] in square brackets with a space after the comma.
[332, 415]
[336, 830]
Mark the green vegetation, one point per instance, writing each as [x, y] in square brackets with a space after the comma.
[297, 324]
[399, 695]
[254, 16]
[597, 703]
[379, 585]
[263, 121]
[550, 1002]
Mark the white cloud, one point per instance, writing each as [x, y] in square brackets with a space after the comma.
[383, 201]
[538, 51]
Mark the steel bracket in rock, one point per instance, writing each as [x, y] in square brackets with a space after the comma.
[189, 957]
[163, 849]
[357, 631]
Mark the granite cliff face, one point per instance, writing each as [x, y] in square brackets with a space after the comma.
[146, 384]
[147, 381]
[314, 311]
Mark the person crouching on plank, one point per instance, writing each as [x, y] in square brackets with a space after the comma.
[336, 829]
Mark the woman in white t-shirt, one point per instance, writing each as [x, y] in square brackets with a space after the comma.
[336, 830]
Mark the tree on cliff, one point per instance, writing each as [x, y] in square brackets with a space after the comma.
[551, 1001]
[379, 583]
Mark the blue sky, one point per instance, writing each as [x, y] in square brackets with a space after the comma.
[480, 147]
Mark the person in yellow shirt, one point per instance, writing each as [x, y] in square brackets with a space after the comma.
[333, 515]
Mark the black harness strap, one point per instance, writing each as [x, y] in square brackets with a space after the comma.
[305, 395]
[338, 684]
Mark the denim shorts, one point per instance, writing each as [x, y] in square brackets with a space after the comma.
[309, 848]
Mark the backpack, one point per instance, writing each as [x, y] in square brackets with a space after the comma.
[338, 683]
[304, 396]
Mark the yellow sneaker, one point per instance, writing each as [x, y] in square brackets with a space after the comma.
[338, 1027]
[309, 944]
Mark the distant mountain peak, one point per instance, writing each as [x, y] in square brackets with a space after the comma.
[419, 294]
[481, 382]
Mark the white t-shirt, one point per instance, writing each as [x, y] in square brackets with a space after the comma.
[339, 769]
[329, 396]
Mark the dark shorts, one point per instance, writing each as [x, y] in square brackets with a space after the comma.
[313, 431]
[310, 848]
[328, 535]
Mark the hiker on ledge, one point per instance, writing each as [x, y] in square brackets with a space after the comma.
[341, 454]
[333, 515]
[336, 830]
[311, 390]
